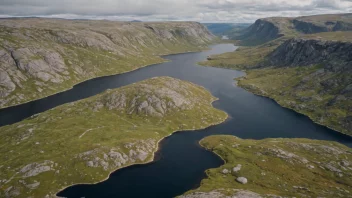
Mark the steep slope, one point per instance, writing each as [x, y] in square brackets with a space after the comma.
[268, 29]
[264, 30]
[39, 57]
[276, 168]
[323, 23]
[83, 141]
[311, 74]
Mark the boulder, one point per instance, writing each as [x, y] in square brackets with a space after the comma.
[241, 180]
[237, 168]
[225, 171]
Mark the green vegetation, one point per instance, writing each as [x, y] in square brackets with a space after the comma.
[345, 36]
[281, 167]
[83, 141]
[297, 70]
[302, 89]
[40, 57]
[244, 57]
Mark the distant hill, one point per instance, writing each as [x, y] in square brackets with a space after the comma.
[268, 29]
[227, 29]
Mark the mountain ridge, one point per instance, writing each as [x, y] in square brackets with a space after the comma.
[40, 57]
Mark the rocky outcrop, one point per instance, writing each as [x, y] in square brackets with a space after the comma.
[260, 32]
[323, 23]
[164, 96]
[39, 57]
[333, 55]
[322, 70]
[86, 140]
[277, 168]
[235, 193]
[267, 29]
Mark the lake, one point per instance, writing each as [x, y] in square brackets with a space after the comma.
[180, 163]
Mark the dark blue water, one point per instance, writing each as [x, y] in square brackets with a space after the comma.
[180, 163]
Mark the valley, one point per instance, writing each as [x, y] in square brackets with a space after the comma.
[83, 117]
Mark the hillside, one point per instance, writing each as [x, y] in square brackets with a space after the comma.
[276, 168]
[268, 29]
[311, 74]
[84, 141]
[40, 57]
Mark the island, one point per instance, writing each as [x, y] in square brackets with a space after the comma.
[86, 140]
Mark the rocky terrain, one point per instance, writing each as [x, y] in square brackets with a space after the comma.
[84, 141]
[40, 57]
[276, 168]
[311, 76]
[309, 73]
[268, 29]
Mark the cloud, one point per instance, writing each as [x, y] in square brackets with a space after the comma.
[156, 10]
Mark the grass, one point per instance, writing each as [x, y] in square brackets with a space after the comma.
[300, 89]
[90, 49]
[297, 88]
[244, 57]
[279, 167]
[64, 134]
[344, 36]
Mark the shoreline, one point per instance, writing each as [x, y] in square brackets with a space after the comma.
[289, 108]
[158, 147]
[79, 82]
[268, 97]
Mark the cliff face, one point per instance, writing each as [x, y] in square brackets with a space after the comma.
[268, 29]
[311, 76]
[259, 32]
[39, 57]
[335, 56]
[323, 23]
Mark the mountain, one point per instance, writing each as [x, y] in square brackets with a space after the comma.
[40, 57]
[309, 73]
[267, 29]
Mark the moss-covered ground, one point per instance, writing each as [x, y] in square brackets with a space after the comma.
[82, 142]
[281, 167]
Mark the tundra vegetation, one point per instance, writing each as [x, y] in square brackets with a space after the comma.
[276, 168]
[303, 63]
[84, 141]
[40, 57]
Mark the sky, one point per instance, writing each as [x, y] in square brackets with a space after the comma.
[234, 11]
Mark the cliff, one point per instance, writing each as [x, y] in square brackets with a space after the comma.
[311, 76]
[40, 57]
[323, 23]
[267, 29]
[261, 31]
[333, 55]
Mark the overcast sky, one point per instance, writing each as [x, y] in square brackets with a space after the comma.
[156, 10]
